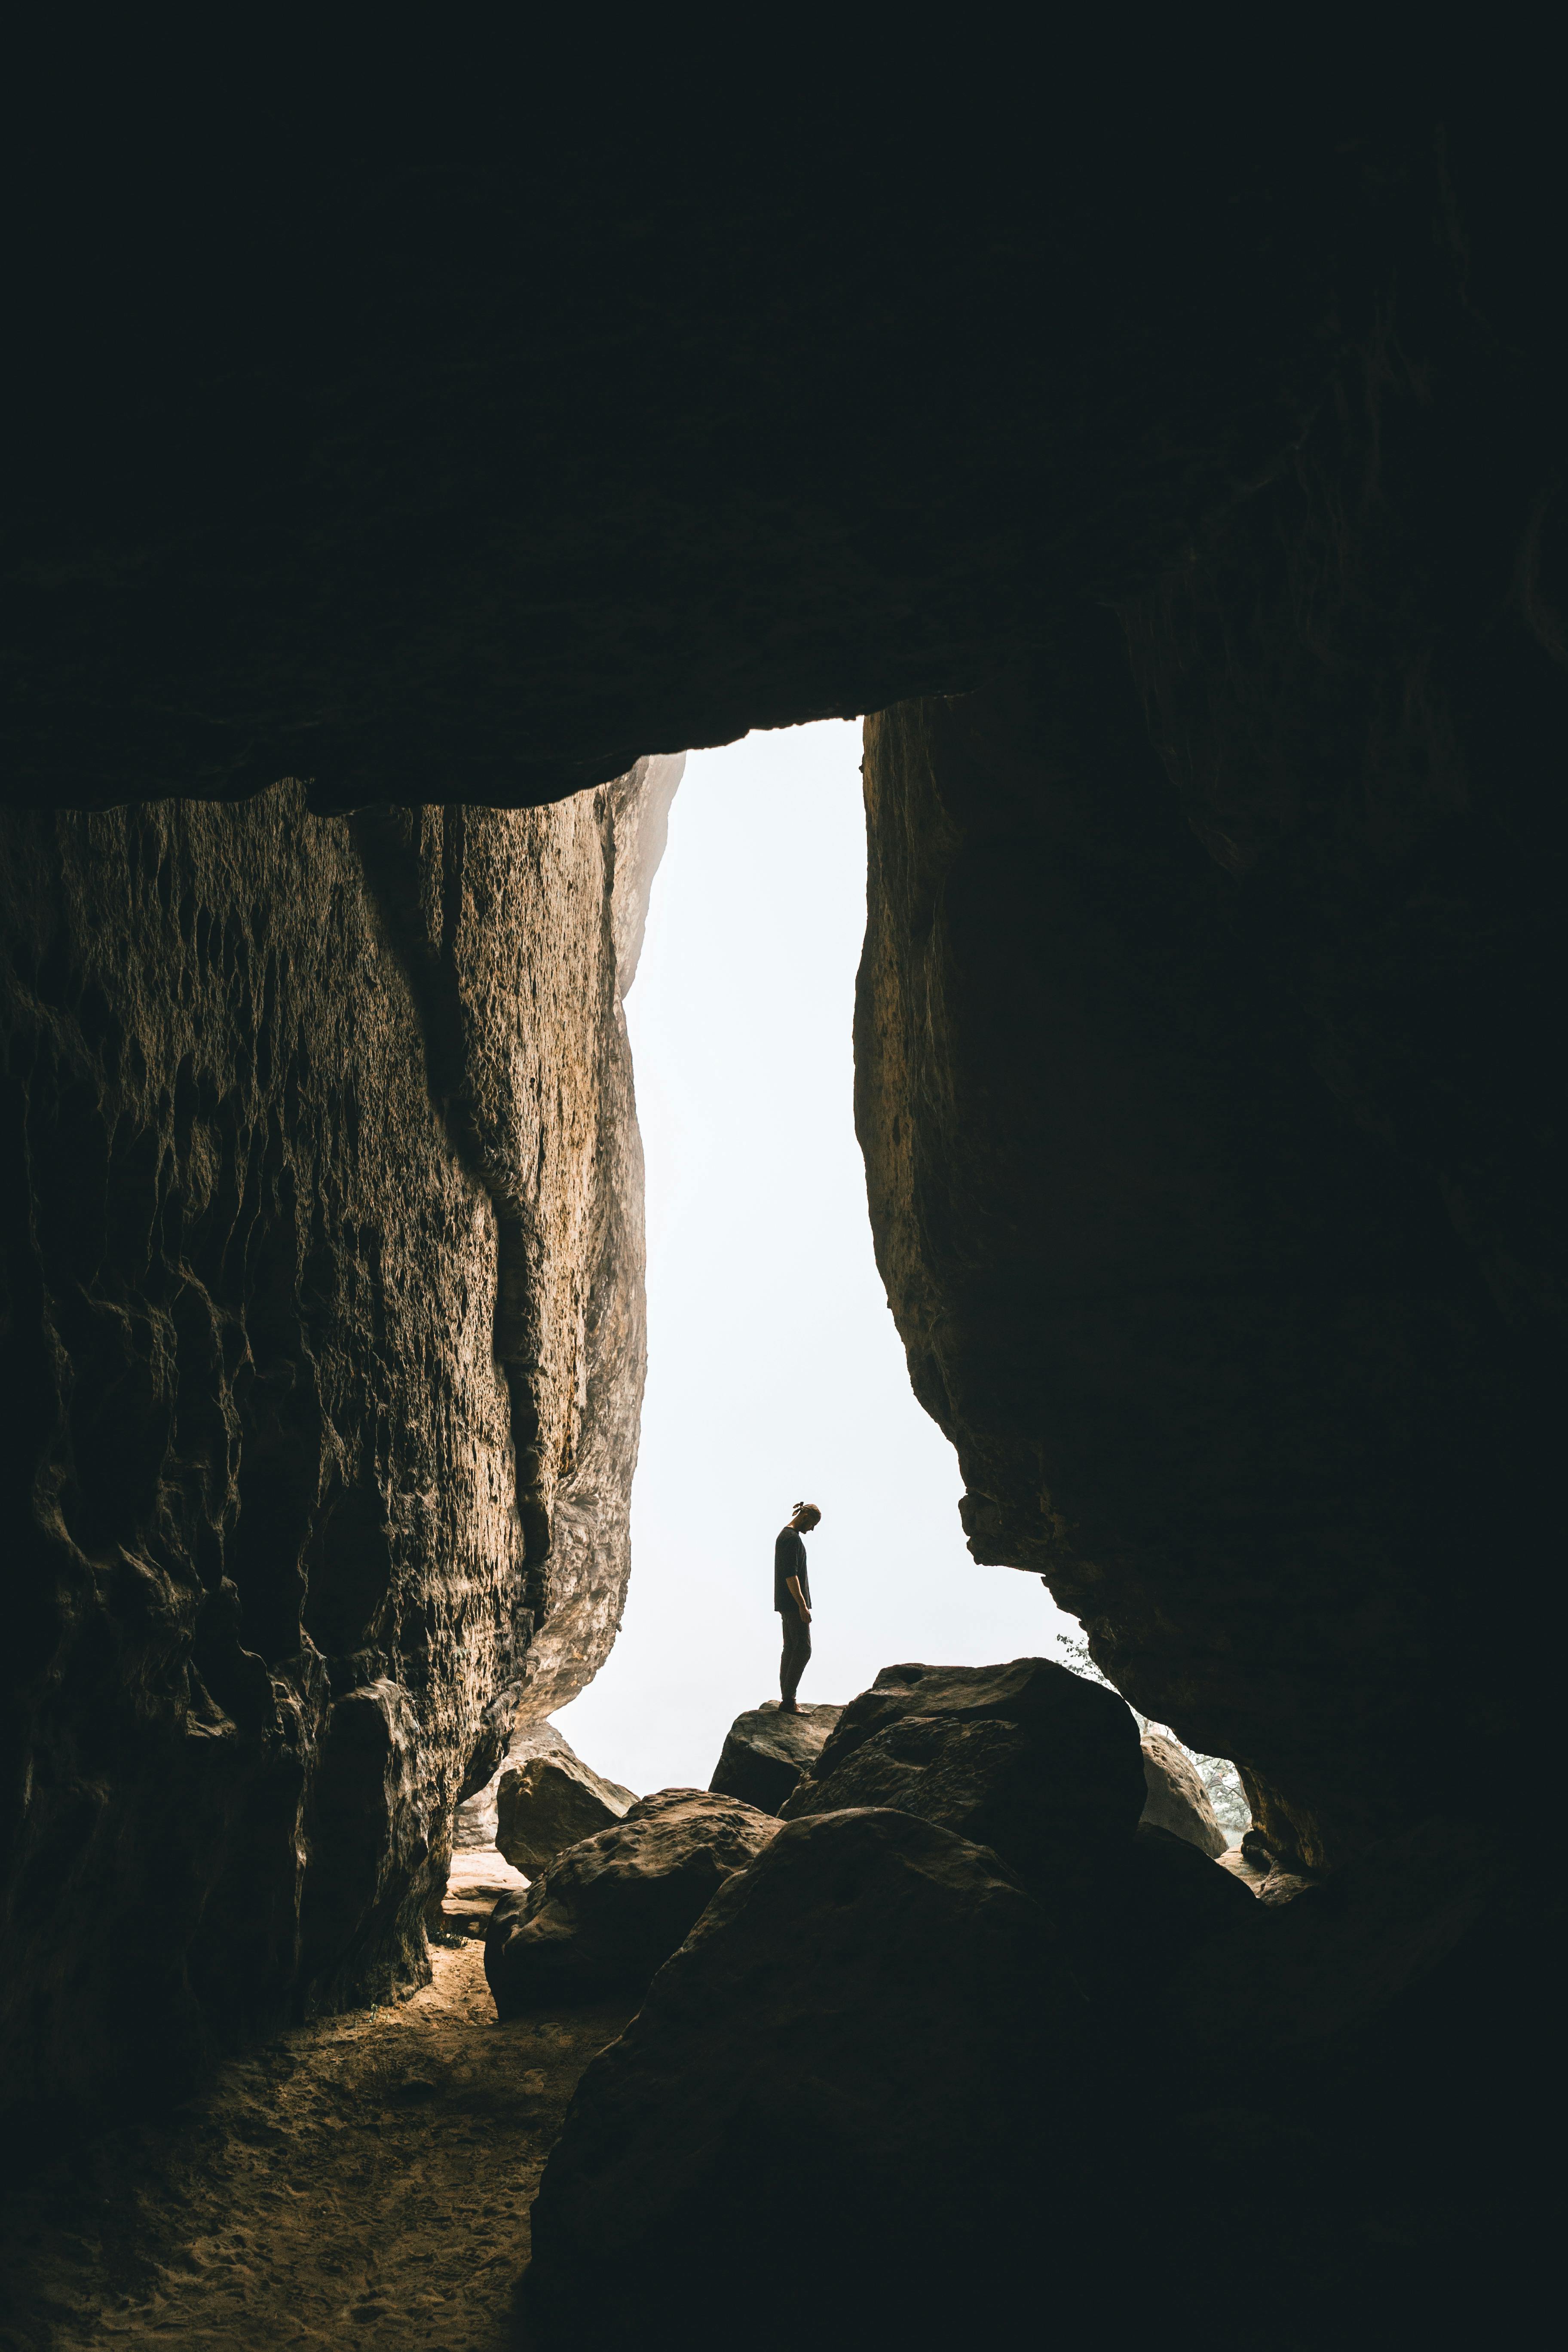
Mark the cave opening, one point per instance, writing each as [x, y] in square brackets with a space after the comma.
[775, 1368]
[1179, 497]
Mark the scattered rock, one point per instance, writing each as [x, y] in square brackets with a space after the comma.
[1025, 1758]
[607, 1914]
[871, 2029]
[1177, 1799]
[550, 1802]
[766, 1753]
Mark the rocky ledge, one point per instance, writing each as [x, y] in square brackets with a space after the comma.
[767, 1753]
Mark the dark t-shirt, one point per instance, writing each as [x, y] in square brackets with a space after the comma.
[789, 1560]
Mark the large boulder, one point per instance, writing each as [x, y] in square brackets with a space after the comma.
[1177, 1799]
[477, 1818]
[1026, 1757]
[767, 1753]
[549, 1803]
[608, 1914]
[860, 2088]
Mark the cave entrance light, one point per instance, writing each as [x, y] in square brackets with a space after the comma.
[775, 1369]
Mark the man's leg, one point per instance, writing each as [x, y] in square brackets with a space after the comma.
[797, 1651]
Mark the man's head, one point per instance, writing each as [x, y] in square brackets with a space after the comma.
[804, 1518]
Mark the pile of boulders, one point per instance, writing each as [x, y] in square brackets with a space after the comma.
[895, 1965]
[607, 1913]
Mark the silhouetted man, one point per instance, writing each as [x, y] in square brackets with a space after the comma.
[792, 1599]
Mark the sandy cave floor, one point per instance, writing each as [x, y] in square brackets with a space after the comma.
[364, 2180]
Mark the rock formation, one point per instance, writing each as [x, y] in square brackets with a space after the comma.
[1042, 1768]
[1210, 1333]
[1178, 482]
[873, 1992]
[1039, 1763]
[766, 1753]
[608, 1913]
[1177, 1799]
[323, 1263]
[475, 1822]
[547, 1802]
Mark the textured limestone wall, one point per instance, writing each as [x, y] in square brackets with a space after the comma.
[323, 1341]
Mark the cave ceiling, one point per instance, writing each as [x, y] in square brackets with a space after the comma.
[475, 470]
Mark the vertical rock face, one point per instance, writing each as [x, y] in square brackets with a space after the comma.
[1205, 1159]
[325, 1344]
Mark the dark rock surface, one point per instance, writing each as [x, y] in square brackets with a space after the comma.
[1036, 1762]
[1183, 1169]
[475, 478]
[545, 1803]
[1044, 1768]
[766, 1753]
[1177, 1799]
[607, 1914]
[867, 2059]
[878, 2005]
[322, 1233]
[1166, 1899]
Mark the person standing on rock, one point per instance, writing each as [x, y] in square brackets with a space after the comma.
[792, 1599]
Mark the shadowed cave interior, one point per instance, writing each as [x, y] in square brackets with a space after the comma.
[1188, 525]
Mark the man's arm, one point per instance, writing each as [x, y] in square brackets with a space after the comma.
[793, 1584]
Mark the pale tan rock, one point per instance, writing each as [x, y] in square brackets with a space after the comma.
[1177, 1799]
[1240, 1866]
[550, 1801]
[331, 1344]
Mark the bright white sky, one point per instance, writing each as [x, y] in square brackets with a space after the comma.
[775, 1371]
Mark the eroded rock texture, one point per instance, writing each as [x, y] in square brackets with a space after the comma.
[324, 1345]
